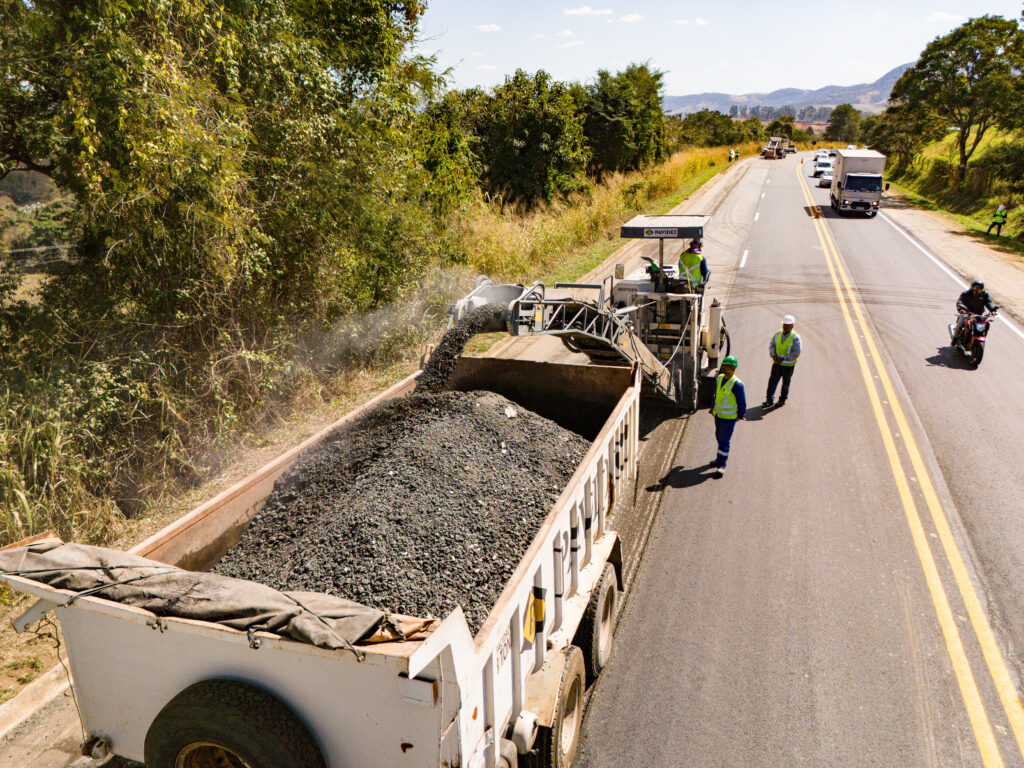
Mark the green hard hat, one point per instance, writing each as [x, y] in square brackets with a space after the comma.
[730, 360]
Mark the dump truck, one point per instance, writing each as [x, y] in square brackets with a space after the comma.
[509, 696]
[178, 692]
[776, 148]
[857, 181]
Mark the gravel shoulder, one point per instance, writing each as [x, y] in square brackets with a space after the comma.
[1002, 270]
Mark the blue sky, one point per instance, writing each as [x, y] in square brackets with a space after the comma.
[735, 47]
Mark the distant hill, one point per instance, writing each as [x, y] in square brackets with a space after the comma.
[867, 97]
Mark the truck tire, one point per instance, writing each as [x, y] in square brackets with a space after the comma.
[596, 633]
[232, 724]
[556, 746]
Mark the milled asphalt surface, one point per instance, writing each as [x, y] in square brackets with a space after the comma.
[780, 616]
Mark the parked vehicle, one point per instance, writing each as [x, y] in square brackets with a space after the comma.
[971, 339]
[857, 182]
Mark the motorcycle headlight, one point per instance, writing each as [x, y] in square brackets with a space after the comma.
[979, 326]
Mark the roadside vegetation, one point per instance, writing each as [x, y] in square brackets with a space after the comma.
[256, 212]
[954, 130]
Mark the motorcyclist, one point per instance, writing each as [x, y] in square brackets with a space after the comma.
[973, 301]
[694, 266]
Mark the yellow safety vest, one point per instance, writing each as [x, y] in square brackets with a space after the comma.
[690, 267]
[725, 401]
[783, 346]
[1000, 217]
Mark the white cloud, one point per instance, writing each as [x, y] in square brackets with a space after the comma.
[700, 22]
[586, 10]
[630, 18]
[539, 36]
[476, 54]
[942, 17]
[487, 27]
[681, 21]
[487, 67]
[564, 33]
[571, 44]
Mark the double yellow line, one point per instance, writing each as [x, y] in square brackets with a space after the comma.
[855, 320]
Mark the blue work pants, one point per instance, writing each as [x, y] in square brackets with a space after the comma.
[723, 434]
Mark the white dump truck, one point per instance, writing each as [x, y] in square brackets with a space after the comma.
[512, 695]
[857, 181]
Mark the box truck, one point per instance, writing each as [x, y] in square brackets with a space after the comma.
[857, 181]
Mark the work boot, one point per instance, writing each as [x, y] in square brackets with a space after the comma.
[782, 401]
[719, 472]
[768, 403]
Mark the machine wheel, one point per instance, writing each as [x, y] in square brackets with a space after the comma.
[228, 724]
[596, 633]
[977, 352]
[872, 214]
[556, 746]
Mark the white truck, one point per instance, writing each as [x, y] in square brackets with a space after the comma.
[512, 695]
[857, 181]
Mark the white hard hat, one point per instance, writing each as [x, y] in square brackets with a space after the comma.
[788, 320]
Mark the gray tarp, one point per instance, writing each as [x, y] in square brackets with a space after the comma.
[310, 617]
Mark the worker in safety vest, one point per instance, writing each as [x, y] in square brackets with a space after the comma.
[694, 266]
[730, 406]
[784, 349]
[998, 219]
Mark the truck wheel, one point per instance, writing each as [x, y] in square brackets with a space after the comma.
[556, 746]
[596, 633]
[228, 724]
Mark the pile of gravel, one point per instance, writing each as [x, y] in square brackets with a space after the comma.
[422, 504]
[442, 360]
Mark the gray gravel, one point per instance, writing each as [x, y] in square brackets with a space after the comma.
[424, 503]
[442, 360]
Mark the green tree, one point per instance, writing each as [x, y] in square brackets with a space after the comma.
[706, 128]
[623, 120]
[971, 79]
[843, 124]
[782, 126]
[901, 131]
[529, 139]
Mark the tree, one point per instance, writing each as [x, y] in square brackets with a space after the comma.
[901, 131]
[707, 128]
[971, 79]
[843, 124]
[529, 139]
[623, 120]
[783, 126]
[734, 110]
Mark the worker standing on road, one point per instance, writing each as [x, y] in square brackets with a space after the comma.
[730, 406]
[998, 219]
[693, 266]
[784, 349]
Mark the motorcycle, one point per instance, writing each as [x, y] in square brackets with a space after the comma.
[971, 338]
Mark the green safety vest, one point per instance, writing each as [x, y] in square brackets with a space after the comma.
[783, 346]
[725, 401]
[689, 266]
[1000, 217]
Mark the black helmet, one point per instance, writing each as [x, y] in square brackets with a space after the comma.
[978, 284]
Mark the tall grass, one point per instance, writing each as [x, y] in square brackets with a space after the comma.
[512, 245]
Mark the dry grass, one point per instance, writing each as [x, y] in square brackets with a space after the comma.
[517, 246]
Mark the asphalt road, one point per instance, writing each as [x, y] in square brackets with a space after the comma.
[847, 595]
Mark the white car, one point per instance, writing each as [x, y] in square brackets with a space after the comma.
[821, 165]
[825, 180]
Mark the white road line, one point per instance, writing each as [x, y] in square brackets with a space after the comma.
[744, 259]
[956, 279]
[756, 215]
[762, 195]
